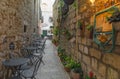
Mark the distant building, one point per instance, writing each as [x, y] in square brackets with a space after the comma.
[47, 16]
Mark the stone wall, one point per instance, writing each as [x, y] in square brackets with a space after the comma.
[55, 12]
[14, 15]
[81, 46]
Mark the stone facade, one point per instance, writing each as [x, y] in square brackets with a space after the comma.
[55, 12]
[83, 49]
[18, 21]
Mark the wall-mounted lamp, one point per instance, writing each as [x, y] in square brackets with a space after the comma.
[11, 46]
[92, 1]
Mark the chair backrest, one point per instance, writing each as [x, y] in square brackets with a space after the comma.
[23, 52]
[37, 64]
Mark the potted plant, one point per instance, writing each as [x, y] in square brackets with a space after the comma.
[67, 64]
[61, 53]
[90, 75]
[55, 42]
[76, 72]
[67, 67]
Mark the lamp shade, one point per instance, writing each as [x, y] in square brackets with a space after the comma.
[69, 2]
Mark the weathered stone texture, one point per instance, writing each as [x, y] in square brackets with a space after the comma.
[89, 42]
[95, 53]
[94, 64]
[102, 69]
[112, 60]
[14, 14]
[86, 59]
[84, 41]
[86, 50]
[90, 54]
[81, 48]
[112, 74]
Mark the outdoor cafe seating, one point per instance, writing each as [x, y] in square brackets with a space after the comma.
[27, 65]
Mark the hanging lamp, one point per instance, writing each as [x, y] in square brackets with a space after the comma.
[69, 2]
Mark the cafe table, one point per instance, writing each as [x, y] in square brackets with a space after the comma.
[15, 63]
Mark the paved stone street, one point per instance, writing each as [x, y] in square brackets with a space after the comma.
[53, 69]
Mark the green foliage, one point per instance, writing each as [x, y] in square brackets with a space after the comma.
[75, 4]
[60, 49]
[89, 27]
[79, 24]
[61, 3]
[69, 62]
[68, 34]
[77, 67]
[113, 11]
[61, 53]
[56, 31]
[55, 41]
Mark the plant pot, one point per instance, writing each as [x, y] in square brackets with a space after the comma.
[75, 75]
[67, 69]
[69, 2]
[56, 44]
[61, 60]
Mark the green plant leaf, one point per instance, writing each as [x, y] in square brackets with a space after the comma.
[89, 27]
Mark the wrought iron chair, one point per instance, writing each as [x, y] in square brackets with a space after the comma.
[32, 72]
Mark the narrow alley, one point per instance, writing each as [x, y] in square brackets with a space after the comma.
[52, 68]
[59, 39]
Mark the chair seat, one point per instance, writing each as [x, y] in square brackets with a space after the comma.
[32, 72]
[25, 66]
[29, 73]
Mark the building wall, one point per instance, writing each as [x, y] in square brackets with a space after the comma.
[14, 15]
[81, 46]
[55, 12]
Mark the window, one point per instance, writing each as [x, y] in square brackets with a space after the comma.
[25, 28]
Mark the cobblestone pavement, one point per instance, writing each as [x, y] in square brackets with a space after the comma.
[53, 69]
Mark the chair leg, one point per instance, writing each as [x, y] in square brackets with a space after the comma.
[25, 78]
[43, 51]
[43, 62]
[33, 78]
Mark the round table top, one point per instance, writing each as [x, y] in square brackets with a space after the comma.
[15, 61]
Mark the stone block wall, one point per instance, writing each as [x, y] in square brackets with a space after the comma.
[14, 15]
[83, 49]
